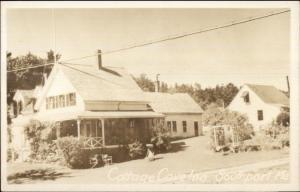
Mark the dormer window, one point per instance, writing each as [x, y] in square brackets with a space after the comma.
[246, 97]
[60, 101]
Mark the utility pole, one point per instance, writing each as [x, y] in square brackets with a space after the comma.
[157, 83]
[54, 36]
[288, 85]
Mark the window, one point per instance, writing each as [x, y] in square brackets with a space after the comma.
[67, 100]
[72, 99]
[51, 102]
[246, 97]
[184, 126]
[61, 100]
[169, 125]
[56, 102]
[260, 115]
[174, 126]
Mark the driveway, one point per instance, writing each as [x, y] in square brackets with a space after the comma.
[189, 155]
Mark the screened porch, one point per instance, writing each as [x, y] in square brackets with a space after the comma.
[97, 132]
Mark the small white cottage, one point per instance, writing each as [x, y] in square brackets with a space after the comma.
[182, 114]
[261, 103]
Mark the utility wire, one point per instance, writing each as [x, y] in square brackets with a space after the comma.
[233, 23]
[35, 66]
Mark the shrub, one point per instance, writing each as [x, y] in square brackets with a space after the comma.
[40, 136]
[284, 139]
[274, 129]
[137, 150]
[215, 116]
[283, 119]
[267, 142]
[119, 154]
[161, 143]
[75, 156]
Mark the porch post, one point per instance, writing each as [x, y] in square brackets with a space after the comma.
[215, 136]
[78, 128]
[103, 133]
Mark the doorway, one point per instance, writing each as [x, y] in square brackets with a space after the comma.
[196, 128]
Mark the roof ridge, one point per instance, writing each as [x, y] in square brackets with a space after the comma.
[269, 94]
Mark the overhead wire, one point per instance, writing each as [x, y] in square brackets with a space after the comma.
[232, 23]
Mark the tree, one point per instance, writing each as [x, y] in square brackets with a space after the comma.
[26, 78]
[221, 94]
[145, 83]
[215, 115]
[283, 119]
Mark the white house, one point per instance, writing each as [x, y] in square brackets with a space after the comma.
[182, 114]
[261, 103]
[104, 107]
[101, 106]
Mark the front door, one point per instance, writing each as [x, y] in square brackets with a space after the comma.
[196, 128]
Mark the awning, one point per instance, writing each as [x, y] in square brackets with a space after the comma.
[64, 116]
[120, 114]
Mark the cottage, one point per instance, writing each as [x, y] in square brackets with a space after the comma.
[102, 106]
[261, 103]
[182, 113]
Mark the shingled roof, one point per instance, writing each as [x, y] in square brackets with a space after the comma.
[93, 84]
[270, 94]
[172, 103]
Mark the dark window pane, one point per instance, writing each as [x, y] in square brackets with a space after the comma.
[184, 126]
[174, 126]
[260, 115]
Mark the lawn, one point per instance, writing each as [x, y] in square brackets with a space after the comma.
[189, 155]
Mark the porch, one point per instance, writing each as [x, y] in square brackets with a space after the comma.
[116, 128]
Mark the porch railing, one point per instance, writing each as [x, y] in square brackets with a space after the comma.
[92, 142]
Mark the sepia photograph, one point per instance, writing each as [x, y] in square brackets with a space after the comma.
[149, 96]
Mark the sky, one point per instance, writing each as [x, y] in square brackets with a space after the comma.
[257, 52]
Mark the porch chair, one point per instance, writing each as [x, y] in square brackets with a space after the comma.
[107, 159]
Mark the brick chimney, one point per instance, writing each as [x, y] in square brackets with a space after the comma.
[99, 59]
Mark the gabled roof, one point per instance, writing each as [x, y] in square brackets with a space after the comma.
[172, 103]
[25, 94]
[27, 98]
[270, 94]
[101, 85]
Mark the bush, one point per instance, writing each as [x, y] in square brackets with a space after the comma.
[75, 156]
[161, 143]
[274, 129]
[267, 142]
[283, 119]
[40, 136]
[215, 116]
[119, 154]
[137, 150]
